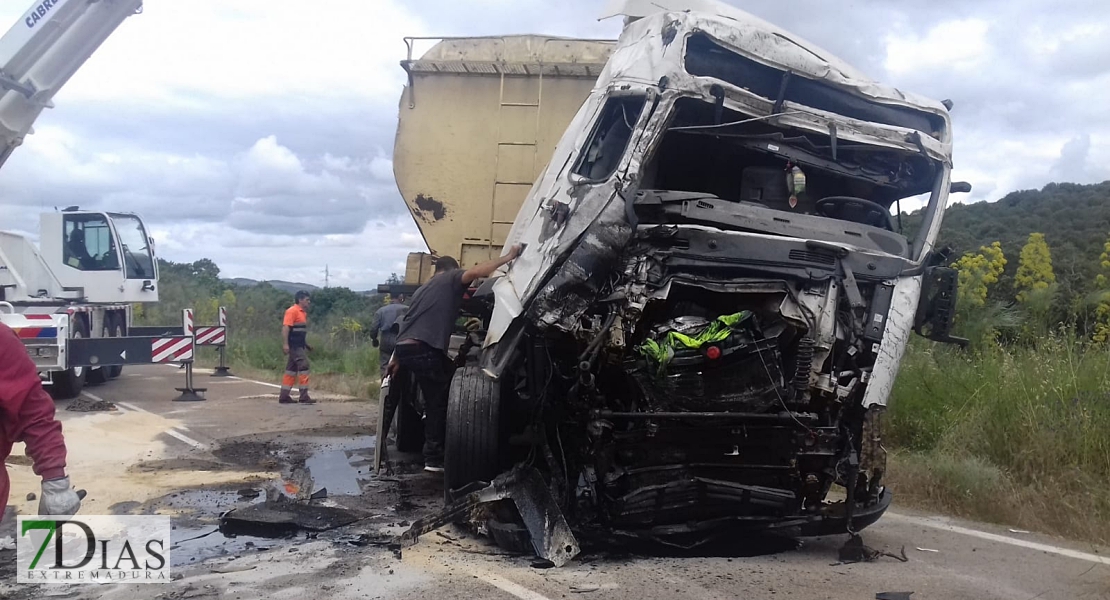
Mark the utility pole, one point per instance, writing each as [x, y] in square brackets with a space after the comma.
[327, 276]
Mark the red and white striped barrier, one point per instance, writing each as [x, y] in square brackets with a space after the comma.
[173, 349]
[211, 336]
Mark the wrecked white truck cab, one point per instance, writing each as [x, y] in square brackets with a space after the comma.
[705, 324]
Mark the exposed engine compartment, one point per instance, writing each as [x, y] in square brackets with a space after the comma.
[711, 397]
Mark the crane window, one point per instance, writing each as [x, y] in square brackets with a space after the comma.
[89, 244]
[138, 260]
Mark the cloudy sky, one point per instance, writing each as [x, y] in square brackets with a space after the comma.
[258, 133]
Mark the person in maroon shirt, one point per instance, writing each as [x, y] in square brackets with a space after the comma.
[27, 415]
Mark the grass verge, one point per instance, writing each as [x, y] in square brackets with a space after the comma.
[1007, 435]
[351, 370]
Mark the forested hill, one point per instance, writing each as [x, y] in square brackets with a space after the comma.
[1075, 220]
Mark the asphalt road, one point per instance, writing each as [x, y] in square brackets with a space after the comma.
[187, 459]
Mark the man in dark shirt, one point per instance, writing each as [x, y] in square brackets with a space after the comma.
[425, 337]
[387, 323]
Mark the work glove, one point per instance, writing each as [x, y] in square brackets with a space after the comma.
[473, 324]
[374, 342]
[58, 498]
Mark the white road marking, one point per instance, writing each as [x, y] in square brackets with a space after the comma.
[273, 385]
[936, 523]
[92, 397]
[186, 439]
[171, 432]
[505, 585]
[130, 406]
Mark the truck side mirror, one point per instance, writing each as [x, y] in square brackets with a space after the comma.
[936, 308]
[959, 187]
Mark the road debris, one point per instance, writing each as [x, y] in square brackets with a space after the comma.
[86, 404]
[893, 595]
[283, 519]
[854, 551]
[233, 568]
[928, 550]
[1019, 531]
[581, 588]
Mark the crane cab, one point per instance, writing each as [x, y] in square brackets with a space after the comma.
[109, 256]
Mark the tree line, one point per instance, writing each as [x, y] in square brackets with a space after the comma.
[1034, 262]
[253, 310]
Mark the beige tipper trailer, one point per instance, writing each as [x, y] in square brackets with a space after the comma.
[477, 123]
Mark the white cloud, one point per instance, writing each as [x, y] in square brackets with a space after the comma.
[188, 53]
[382, 168]
[955, 45]
[258, 133]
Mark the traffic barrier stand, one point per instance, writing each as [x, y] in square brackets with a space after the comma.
[219, 338]
[189, 393]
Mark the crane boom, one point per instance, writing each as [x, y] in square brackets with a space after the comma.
[42, 51]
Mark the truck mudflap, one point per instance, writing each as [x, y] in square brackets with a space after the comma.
[43, 335]
[551, 536]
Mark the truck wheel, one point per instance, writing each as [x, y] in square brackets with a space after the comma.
[115, 329]
[69, 383]
[472, 450]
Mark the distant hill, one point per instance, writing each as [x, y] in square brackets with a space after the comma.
[1074, 218]
[285, 286]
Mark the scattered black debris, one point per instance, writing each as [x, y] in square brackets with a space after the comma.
[31, 496]
[283, 519]
[177, 577]
[249, 493]
[360, 541]
[893, 596]
[86, 404]
[542, 563]
[178, 544]
[581, 588]
[854, 551]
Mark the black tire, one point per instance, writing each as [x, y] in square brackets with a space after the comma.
[69, 383]
[472, 449]
[115, 329]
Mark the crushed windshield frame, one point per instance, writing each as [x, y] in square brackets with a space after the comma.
[772, 147]
[601, 153]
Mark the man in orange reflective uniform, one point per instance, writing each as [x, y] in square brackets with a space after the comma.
[294, 343]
